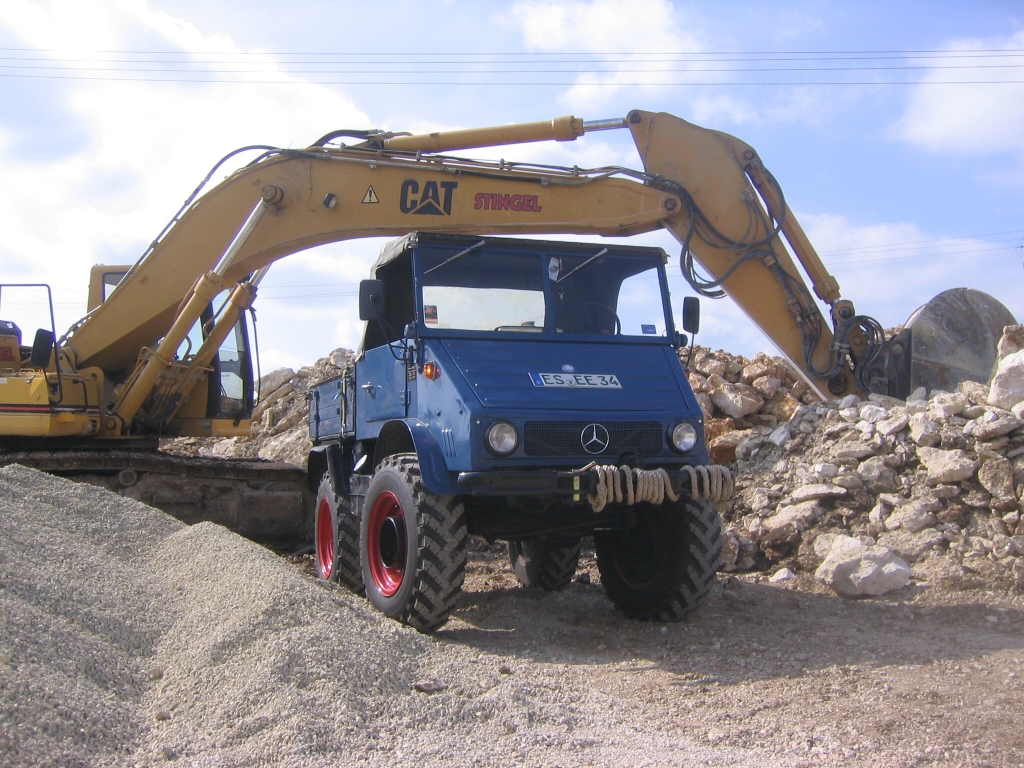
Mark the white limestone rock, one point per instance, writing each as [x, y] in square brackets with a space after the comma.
[737, 400]
[817, 491]
[924, 431]
[783, 574]
[946, 466]
[275, 380]
[996, 477]
[709, 366]
[781, 434]
[1007, 388]
[854, 569]
[895, 423]
[766, 386]
[989, 430]
[947, 404]
[800, 516]
[879, 513]
[856, 450]
[1011, 341]
[915, 516]
[872, 414]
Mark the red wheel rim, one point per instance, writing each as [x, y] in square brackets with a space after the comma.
[324, 540]
[385, 544]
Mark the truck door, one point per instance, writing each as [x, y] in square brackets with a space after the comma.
[381, 387]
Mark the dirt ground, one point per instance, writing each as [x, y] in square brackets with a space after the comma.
[144, 642]
[917, 678]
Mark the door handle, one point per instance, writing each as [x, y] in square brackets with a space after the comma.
[368, 386]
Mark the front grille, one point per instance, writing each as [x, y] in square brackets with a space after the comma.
[562, 438]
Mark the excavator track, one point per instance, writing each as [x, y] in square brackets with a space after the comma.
[269, 502]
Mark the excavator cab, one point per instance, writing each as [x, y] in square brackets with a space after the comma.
[103, 279]
[229, 393]
[13, 355]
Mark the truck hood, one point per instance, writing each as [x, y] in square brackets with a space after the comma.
[502, 374]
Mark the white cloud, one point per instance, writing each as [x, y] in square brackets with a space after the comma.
[140, 147]
[639, 30]
[968, 119]
[602, 28]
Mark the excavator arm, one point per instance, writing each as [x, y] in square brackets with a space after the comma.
[706, 187]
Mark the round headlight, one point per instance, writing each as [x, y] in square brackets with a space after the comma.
[683, 436]
[502, 438]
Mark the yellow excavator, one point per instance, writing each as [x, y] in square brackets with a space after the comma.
[163, 350]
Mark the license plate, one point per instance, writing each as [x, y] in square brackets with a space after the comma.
[576, 380]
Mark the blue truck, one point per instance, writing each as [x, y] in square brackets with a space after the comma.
[519, 390]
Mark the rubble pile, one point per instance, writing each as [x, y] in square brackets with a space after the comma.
[279, 430]
[868, 494]
[737, 395]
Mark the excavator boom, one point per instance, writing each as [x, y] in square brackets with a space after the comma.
[709, 189]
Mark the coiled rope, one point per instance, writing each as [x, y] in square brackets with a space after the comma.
[707, 483]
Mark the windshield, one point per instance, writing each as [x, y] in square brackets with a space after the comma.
[596, 294]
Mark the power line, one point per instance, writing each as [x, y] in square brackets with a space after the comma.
[933, 240]
[924, 255]
[517, 71]
[620, 84]
[207, 58]
[532, 53]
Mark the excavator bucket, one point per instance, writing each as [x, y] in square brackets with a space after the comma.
[951, 339]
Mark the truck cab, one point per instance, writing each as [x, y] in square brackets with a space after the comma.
[533, 390]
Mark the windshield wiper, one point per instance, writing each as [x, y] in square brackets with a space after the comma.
[572, 272]
[457, 256]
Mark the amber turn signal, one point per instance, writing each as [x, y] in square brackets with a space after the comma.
[430, 370]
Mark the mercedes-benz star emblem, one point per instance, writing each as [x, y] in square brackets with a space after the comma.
[594, 438]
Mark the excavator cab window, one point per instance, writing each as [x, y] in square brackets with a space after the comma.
[232, 376]
[110, 281]
[230, 382]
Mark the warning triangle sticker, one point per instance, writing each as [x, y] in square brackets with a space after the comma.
[370, 196]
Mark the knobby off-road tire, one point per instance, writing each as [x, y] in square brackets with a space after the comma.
[546, 563]
[664, 566]
[413, 546]
[336, 539]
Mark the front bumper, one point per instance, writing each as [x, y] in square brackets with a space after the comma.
[576, 483]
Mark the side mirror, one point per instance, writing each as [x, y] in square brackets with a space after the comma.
[371, 295]
[42, 348]
[691, 314]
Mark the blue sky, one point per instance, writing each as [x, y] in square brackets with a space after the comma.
[897, 152]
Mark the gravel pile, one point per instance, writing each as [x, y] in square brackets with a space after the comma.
[131, 639]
